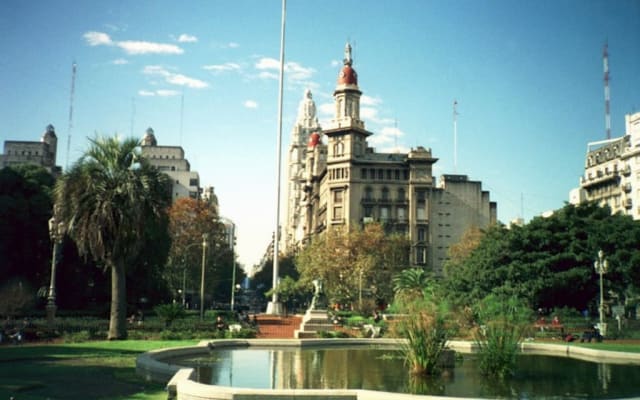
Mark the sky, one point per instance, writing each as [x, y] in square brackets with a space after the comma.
[527, 77]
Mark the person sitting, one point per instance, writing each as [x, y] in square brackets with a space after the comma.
[555, 321]
[220, 325]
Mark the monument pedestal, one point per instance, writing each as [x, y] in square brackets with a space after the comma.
[274, 308]
[313, 322]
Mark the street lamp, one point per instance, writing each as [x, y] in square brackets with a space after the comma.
[56, 232]
[601, 266]
[204, 259]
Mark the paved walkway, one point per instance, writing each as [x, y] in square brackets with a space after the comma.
[274, 327]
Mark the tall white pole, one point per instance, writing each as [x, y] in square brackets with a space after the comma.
[274, 307]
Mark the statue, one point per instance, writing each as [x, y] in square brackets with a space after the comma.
[319, 300]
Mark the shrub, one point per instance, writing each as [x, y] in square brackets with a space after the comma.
[76, 337]
[169, 312]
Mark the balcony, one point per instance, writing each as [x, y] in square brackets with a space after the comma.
[628, 204]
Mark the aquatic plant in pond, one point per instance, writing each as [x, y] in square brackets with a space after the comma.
[503, 322]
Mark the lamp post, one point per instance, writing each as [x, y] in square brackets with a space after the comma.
[204, 259]
[601, 266]
[56, 232]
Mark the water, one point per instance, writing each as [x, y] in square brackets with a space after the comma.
[537, 377]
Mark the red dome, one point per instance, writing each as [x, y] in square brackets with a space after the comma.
[347, 76]
[314, 139]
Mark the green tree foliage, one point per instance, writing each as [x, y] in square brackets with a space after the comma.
[109, 201]
[25, 209]
[355, 264]
[549, 262]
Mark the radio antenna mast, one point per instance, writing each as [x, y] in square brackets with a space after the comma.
[455, 136]
[607, 115]
[73, 88]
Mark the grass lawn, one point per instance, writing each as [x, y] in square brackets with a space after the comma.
[92, 370]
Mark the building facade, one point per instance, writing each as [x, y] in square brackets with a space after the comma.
[339, 181]
[612, 172]
[171, 161]
[42, 153]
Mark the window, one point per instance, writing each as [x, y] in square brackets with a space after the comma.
[405, 175]
[337, 212]
[337, 197]
[389, 174]
[368, 211]
[420, 214]
[401, 196]
[402, 214]
[380, 174]
[368, 194]
[422, 234]
[193, 182]
[363, 173]
[397, 174]
[385, 194]
[421, 255]
[384, 213]
[421, 195]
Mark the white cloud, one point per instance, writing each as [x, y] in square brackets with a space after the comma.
[120, 61]
[294, 72]
[233, 45]
[387, 135]
[173, 78]
[217, 68]
[132, 47]
[185, 38]
[250, 104]
[97, 39]
[140, 47]
[160, 93]
[370, 101]
[327, 109]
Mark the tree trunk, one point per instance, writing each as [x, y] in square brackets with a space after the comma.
[118, 318]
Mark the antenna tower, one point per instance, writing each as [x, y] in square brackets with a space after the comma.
[455, 136]
[607, 116]
[133, 114]
[73, 89]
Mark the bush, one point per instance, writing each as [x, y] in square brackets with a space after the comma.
[169, 312]
[76, 337]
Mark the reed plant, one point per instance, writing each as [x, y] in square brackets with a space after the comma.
[503, 322]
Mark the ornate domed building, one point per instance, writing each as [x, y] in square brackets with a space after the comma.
[337, 180]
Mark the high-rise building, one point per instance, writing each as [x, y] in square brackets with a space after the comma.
[170, 160]
[612, 172]
[337, 180]
[42, 153]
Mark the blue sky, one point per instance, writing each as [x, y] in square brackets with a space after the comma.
[527, 76]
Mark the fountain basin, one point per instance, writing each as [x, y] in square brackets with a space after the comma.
[158, 365]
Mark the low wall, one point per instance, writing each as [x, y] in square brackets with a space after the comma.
[154, 365]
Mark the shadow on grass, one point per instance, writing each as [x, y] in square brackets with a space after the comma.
[94, 370]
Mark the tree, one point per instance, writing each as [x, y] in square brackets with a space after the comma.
[354, 265]
[189, 220]
[549, 262]
[25, 209]
[108, 201]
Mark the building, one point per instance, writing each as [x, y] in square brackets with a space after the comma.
[612, 172]
[170, 160]
[42, 153]
[337, 180]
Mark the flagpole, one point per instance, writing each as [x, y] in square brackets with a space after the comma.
[274, 307]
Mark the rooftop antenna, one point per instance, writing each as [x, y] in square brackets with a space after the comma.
[181, 115]
[133, 114]
[607, 116]
[455, 136]
[395, 135]
[73, 89]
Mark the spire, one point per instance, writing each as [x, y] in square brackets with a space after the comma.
[347, 55]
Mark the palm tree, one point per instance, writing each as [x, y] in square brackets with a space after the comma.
[106, 201]
[410, 283]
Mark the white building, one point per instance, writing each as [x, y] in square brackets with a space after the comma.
[170, 160]
[42, 153]
[612, 172]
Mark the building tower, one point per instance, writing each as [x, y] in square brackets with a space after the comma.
[306, 124]
[51, 140]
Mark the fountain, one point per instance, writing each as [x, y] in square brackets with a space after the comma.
[163, 365]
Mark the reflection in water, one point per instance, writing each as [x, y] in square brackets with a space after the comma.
[537, 377]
